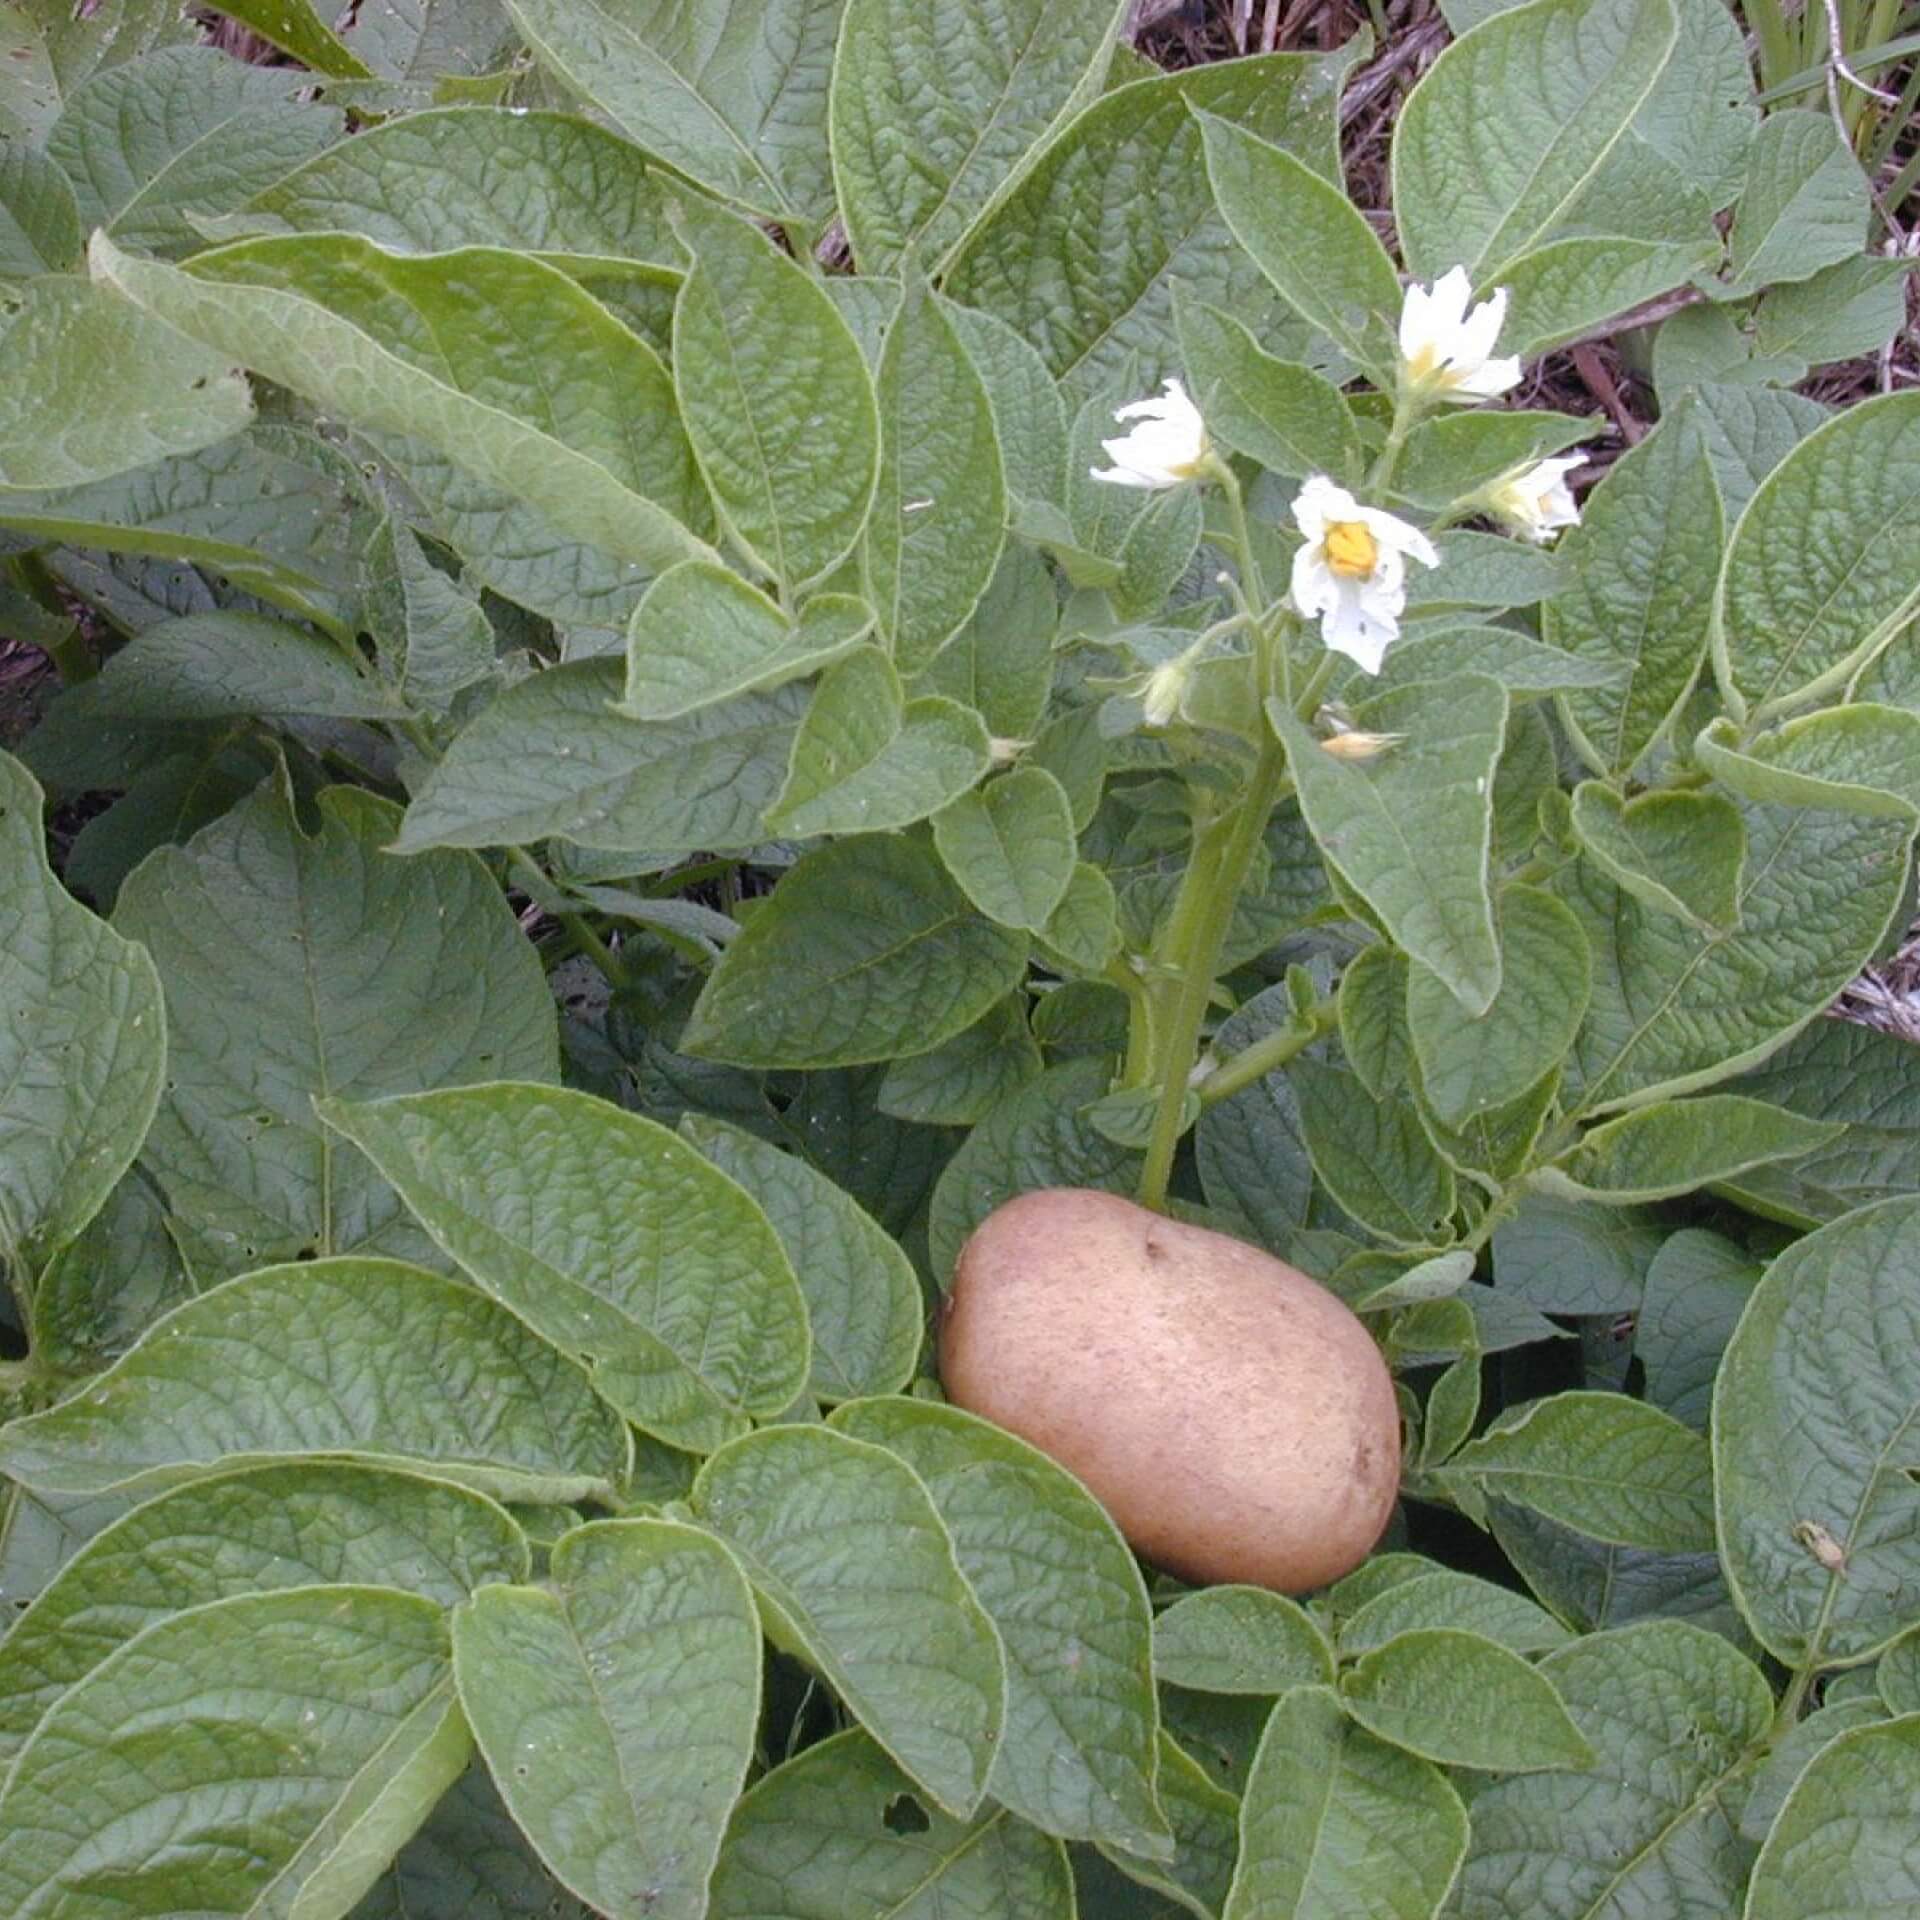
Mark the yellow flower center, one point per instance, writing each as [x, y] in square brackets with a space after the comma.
[1352, 551]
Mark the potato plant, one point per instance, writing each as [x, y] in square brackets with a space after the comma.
[736, 631]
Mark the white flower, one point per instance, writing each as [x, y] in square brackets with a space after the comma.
[1350, 574]
[1167, 448]
[1447, 351]
[1536, 500]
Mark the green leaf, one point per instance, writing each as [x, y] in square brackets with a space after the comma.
[1639, 227]
[1500, 1142]
[1899, 1675]
[1029, 416]
[549, 756]
[703, 635]
[299, 966]
[1082, 934]
[732, 93]
[1000, 663]
[40, 230]
[1411, 829]
[1837, 1070]
[1284, 415]
[1513, 123]
[1312, 243]
[1373, 1156]
[295, 28]
[1565, 1254]
[1081, 256]
[107, 1285]
[867, 951]
[608, 1236]
[1789, 1757]
[940, 506]
[364, 1358]
[425, 182]
[1814, 1417]
[1451, 455]
[933, 114]
[863, 1301]
[1675, 1715]
[271, 521]
[50, 52]
[1442, 1597]
[84, 1048]
[1844, 1838]
[406, 345]
[222, 666]
[1701, 114]
[1748, 431]
[1206, 1830]
[1612, 1468]
[1674, 1146]
[1674, 1009]
[961, 1081]
[617, 1707]
[305, 1525]
[1804, 205]
[1011, 846]
[1336, 1821]
[1037, 1137]
[1697, 1288]
[66, 343]
[1485, 570]
[1079, 1748]
[1250, 1151]
[1469, 1067]
[1818, 577]
[841, 1828]
[1679, 853]
[1855, 759]
[867, 759]
[1593, 1586]
[434, 633]
[156, 144]
[1465, 1701]
[469, 1862]
[1642, 567]
[1841, 313]
[1240, 1640]
[1373, 1019]
[776, 396]
[346, 1688]
[856, 1572]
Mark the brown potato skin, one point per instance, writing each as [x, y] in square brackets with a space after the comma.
[1235, 1418]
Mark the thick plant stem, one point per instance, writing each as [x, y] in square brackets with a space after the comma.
[1199, 929]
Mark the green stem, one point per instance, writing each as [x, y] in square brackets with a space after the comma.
[1407, 410]
[1201, 918]
[1309, 701]
[541, 889]
[1263, 1056]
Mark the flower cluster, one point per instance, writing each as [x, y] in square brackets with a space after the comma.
[1349, 572]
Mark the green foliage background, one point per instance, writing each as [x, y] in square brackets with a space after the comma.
[625, 467]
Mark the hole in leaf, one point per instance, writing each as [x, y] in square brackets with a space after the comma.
[905, 1814]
